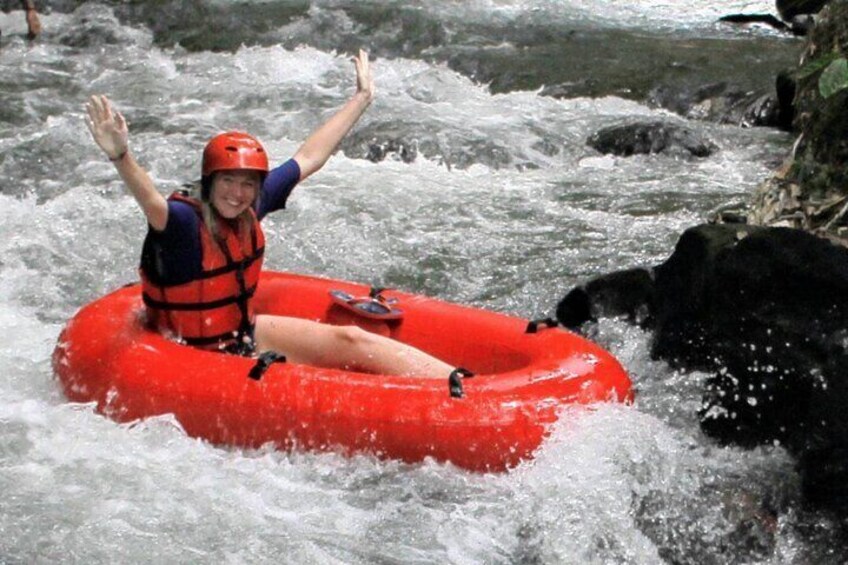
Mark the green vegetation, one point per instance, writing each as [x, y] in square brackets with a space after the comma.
[834, 78]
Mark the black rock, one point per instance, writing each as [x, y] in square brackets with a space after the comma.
[406, 141]
[823, 476]
[767, 19]
[623, 293]
[651, 137]
[797, 24]
[765, 311]
[402, 149]
[723, 103]
[684, 100]
[788, 9]
[785, 86]
[379, 143]
[802, 24]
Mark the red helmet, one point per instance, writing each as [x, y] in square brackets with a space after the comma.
[234, 150]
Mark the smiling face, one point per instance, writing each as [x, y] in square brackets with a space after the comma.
[233, 192]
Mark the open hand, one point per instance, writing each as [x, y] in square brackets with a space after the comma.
[364, 80]
[107, 127]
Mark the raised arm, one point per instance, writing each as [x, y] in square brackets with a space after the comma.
[109, 129]
[320, 145]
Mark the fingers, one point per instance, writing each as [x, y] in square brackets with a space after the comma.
[90, 126]
[121, 122]
[96, 110]
[107, 107]
[100, 111]
[364, 80]
[92, 112]
[363, 67]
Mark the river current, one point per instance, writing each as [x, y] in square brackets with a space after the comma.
[504, 207]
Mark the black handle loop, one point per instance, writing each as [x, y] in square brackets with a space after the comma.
[376, 292]
[265, 359]
[533, 326]
[455, 381]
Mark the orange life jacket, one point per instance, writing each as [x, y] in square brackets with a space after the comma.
[215, 310]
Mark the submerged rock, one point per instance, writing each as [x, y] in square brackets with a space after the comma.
[730, 104]
[380, 142]
[765, 311]
[405, 142]
[651, 137]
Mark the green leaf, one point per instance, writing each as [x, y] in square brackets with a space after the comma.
[812, 67]
[834, 78]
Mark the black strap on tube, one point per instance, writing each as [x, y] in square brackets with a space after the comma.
[533, 325]
[264, 361]
[376, 292]
[455, 381]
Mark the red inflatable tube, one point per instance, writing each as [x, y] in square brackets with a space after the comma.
[105, 354]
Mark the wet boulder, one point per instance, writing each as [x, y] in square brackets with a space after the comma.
[768, 315]
[379, 143]
[398, 149]
[729, 104]
[762, 19]
[798, 24]
[622, 293]
[765, 312]
[651, 137]
[406, 141]
[764, 309]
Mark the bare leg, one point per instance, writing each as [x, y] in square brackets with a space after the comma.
[33, 22]
[344, 347]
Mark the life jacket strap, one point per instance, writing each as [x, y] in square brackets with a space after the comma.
[209, 340]
[245, 325]
[233, 266]
[197, 306]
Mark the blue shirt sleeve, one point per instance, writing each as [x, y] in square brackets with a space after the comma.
[277, 187]
[173, 255]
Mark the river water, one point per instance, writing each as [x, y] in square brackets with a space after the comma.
[504, 207]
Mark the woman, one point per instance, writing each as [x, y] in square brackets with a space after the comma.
[201, 258]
